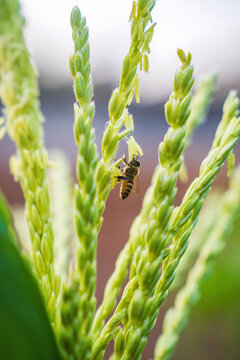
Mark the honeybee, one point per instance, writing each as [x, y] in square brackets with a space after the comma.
[129, 175]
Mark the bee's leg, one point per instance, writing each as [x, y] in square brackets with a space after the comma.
[125, 161]
[119, 178]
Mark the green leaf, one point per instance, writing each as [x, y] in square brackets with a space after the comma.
[25, 331]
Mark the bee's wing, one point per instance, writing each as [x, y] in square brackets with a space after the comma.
[136, 185]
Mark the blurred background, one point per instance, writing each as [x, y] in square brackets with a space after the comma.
[210, 30]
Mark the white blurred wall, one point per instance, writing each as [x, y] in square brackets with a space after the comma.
[209, 29]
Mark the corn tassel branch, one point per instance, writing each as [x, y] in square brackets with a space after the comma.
[78, 306]
[200, 103]
[177, 317]
[146, 268]
[19, 94]
[185, 217]
[177, 113]
[141, 35]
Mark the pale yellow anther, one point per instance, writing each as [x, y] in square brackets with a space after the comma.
[183, 173]
[130, 121]
[133, 148]
[114, 174]
[136, 85]
[125, 119]
[15, 167]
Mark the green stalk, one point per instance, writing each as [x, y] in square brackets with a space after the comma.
[177, 317]
[78, 306]
[185, 217]
[121, 98]
[153, 232]
[19, 94]
[201, 101]
[177, 112]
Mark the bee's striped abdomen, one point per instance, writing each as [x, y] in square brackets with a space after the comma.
[126, 188]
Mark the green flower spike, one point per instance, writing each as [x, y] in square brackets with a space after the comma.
[177, 112]
[185, 217]
[121, 98]
[115, 173]
[146, 262]
[177, 317]
[133, 148]
[201, 101]
[78, 306]
[19, 93]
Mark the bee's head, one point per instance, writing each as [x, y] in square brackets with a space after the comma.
[134, 161]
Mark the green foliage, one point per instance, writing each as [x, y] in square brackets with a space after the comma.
[160, 234]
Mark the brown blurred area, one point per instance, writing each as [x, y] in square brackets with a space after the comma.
[150, 127]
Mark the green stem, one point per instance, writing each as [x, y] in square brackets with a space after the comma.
[177, 317]
[19, 94]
